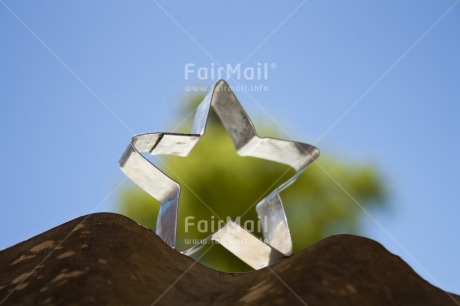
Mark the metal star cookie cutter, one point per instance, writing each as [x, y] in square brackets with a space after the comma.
[277, 241]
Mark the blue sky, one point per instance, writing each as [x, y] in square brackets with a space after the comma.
[364, 81]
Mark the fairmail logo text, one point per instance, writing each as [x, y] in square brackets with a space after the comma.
[258, 72]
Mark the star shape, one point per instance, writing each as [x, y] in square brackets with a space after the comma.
[277, 238]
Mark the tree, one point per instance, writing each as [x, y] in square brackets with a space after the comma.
[218, 184]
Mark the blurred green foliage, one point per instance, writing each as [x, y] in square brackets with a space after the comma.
[217, 183]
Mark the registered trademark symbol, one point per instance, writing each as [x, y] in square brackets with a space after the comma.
[272, 65]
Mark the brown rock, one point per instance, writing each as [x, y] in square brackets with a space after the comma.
[107, 259]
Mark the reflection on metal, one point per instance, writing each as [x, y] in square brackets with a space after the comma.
[277, 241]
